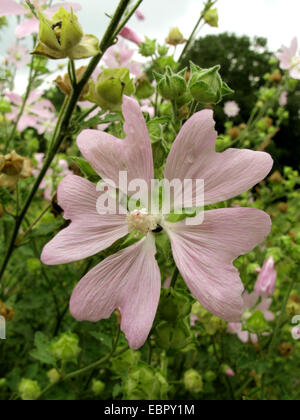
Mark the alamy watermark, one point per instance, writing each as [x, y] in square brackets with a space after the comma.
[158, 197]
[296, 330]
[2, 328]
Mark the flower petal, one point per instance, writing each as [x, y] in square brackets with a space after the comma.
[129, 281]
[109, 155]
[89, 232]
[226, 174]
[204, 256]
[9, 7]
[27, 27]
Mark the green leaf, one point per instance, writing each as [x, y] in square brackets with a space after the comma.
[42, 351]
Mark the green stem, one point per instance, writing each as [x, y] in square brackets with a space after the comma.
[33, 224]
[174, 277]
[187, 45]
[64, 123]
[127, 18]
[84, 370]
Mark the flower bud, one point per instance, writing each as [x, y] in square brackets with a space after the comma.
[13, 167]
[171, 85]
[266, 282]
[2, 382]
[131, 35]
[143, 88]
[6, 312]
[162, 50]
[210, 376]
[110, 87]
[62, 37]
[66, 348]
[169, 336]
[33, 265]
[256, 323]
[175, 37]
[211, 323]
[206, 85]
[53, 376]
[227, 371]
[286, 349]
[29, 390]
[65, 86]
[97, 387]
[143, 383]
[293, 306]
[276, 77]
[173, 305]
[211, 17]
[148, 47]
[193, 381]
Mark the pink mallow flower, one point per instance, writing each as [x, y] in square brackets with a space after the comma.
[251, 304]
[266, 282]
[131, 35]
[10, 7]
[31, 25]
[120, 55]
[283, 98]
[38, 113]
[289, 58]
[54, 175]
[18, 55]
[231, 109]
[130, 279]
[140, 15]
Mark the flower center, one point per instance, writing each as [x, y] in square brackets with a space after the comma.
[143, 222]
[295, 63]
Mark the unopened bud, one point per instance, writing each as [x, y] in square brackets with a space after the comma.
[29, 390]
[110, 87]
[206, 85]
[211, 17]
[97, 387]
[66, 348]
[175, 37]
[171, 85]
[193, 381]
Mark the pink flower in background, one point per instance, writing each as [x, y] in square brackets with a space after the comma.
[53, 176]
[140, 15]
[10, 7]
[251, 304]
[229, 372]
[37, 111]
[130, 279]
[31, 25]
[18, 55]
[120, 55]
[266, 282]
[283, 98]
[231, 109]
[146, 106]
[131, 35]
[290, 59]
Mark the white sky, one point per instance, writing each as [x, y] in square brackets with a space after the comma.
[276, 20]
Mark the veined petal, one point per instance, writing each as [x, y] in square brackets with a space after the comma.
[204, 255]
[109, 155]
[89, 232]
[128, 281]
[226, 174]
